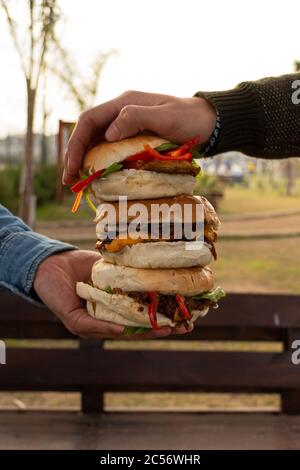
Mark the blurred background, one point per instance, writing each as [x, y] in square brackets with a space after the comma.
[61, 57]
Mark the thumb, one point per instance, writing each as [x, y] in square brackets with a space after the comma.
[131, 120]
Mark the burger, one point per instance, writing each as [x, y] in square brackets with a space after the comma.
[149, 298]
[155, 238]
[171, 236]
[144, 167]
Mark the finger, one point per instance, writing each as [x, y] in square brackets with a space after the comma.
[95, 118]
[133, 119]
[182, 330]
[94, 121]
[82, 324]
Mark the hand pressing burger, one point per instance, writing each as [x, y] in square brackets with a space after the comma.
[157, 275]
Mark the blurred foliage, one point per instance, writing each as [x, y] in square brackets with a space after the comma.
[9, 187]
[208, 184]
[44, 185]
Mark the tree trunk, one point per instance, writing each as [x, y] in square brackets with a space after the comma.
[289, 174]
[27, 198]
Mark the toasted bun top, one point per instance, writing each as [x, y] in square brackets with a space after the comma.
[181, 281]
[106, 153]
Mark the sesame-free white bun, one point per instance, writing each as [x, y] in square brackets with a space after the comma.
[123, 310]
[181, 281]
[161, 254]
[141, 184]
[104, 154]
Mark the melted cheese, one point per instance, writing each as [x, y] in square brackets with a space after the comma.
[118, 243]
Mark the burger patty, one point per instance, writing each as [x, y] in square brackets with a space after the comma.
[174, 166]
[167, 303]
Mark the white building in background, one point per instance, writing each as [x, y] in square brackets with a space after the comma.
[12, 148]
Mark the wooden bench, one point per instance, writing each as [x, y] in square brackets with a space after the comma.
[92, 370]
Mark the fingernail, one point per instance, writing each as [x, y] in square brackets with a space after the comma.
[112, 132]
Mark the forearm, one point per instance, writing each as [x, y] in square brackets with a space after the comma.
[21, 252]
[258, 118]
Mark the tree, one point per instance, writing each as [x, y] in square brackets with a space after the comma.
[39, 36]
[82, 89]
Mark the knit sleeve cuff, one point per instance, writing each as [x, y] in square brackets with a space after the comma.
[243, 122]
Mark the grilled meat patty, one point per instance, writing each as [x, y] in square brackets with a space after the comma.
[167, 303]
[177, 167]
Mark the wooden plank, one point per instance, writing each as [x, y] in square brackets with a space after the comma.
[209, 333]
[92, 401]
[125, 370]
[58, 430]
[236, 310]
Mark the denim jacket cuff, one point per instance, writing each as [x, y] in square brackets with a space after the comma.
[21, 252]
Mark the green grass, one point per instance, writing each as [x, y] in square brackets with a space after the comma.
[240, 200]
[237, 200]
[53, 211]
[259, 265]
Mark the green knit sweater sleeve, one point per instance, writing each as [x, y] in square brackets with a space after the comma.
[259, 118]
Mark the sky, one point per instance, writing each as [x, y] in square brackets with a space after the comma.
[166, 46]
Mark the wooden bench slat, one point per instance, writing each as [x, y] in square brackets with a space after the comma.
[125, 370]
[243, 310]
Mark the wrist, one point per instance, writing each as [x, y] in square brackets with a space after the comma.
[206, 118]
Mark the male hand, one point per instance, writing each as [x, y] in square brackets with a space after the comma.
[55, 283]
[175, 119]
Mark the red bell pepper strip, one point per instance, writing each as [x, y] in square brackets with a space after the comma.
[152, 309]
[166, 157]
[185, 147]
[77, 187]
[180, 300]
[139, 156]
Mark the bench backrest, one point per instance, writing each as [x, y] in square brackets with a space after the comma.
[92, 370]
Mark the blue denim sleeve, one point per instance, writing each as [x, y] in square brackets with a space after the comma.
[21, 252]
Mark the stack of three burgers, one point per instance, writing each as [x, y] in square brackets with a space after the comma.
[155, 238]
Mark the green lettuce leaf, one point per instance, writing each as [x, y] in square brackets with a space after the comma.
[195, 154]
[112, 169]
[166, 146]
[134, 330]
[108, 290]
[87, 198]
[214, 295]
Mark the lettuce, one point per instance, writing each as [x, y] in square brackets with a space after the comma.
[108, 290]
[166, 146]
[134, 330]
[195, 154]
[214, 295]
[87, 198]
[112, 169]
[170, 146]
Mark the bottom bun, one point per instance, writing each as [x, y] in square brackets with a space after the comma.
[123, 310]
